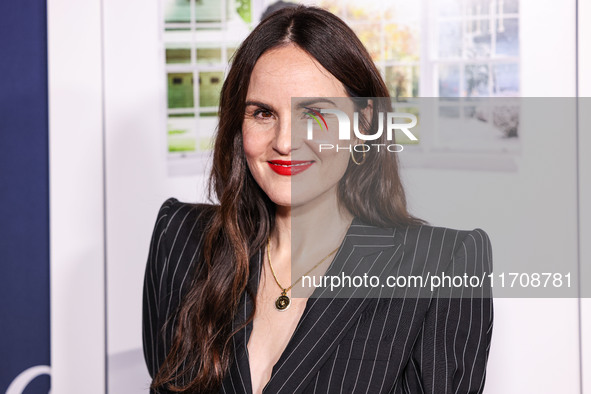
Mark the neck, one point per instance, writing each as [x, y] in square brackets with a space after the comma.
[305, 234]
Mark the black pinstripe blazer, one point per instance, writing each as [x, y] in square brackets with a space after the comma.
[386, 344]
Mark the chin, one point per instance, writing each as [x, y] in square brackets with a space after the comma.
[301, 200]
[291, 200]
[281, 200]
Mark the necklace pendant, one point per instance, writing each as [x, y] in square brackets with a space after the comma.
[282, 302]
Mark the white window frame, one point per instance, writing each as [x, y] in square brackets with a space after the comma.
[196, 35]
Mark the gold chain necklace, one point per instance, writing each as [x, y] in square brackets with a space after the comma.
[283, 301]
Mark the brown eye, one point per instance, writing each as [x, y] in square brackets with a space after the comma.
[262, 114]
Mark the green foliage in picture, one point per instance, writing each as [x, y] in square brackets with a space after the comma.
[178, 55]
[184, 115]
[177, 11]
[207, 11]
[184, 145]
[181, 144]
[210, 85]
[180, 90]
[209, 55]
[244, 10]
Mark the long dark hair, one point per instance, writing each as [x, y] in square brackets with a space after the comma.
[201, 352]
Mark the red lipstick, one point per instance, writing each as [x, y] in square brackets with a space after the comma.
[289, 167]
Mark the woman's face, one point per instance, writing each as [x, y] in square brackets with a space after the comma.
[289, 168]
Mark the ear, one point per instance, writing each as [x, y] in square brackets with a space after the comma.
[368, 110]
[367, 114]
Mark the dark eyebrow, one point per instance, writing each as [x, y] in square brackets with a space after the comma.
[307, 103]
[258, 104]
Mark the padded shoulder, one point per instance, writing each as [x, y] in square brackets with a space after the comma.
[173, 260]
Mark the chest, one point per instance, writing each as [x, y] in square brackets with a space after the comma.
[271, 332]
[375, 345]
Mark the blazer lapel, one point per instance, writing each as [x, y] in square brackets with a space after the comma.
[238, 379]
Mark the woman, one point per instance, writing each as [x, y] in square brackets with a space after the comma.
[218, 309]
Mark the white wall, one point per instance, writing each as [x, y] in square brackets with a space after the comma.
[76, 196]
[136, 182]
[136, 173]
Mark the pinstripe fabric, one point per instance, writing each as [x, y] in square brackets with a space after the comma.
[389, 343]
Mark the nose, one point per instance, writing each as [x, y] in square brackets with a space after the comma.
[283, 143]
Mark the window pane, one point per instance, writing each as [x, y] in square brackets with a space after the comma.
[178, 55]
[476, 77]
[181, 134]
[399, 136]
[470, 112]
[449, 112]
[403, 81]
[449, 81]
[230, 52]
[449, 7]
[507, 36]
[450, 39]
[415, 81]
[180, 90]
[210, 84]
[209, 55]
[206, 144]
[506, 79]
[334, 6]
[369, 34]
[479, 7]
[478, 39]
[508, 6]
[208, 11]
[177, 11]
[401, 42]
[363, 11]
[407, 11]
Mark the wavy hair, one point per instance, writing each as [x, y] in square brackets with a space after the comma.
[201, 352]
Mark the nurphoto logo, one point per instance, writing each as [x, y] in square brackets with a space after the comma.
[390, 119]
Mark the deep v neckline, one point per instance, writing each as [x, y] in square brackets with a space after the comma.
[311, 301]
[249, 328]
[281, 356]
[323, 324]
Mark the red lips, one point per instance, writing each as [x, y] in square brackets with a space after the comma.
[289, 167]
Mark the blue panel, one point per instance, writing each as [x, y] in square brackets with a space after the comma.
[24, 194]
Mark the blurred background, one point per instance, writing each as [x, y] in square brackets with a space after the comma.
[446, 48]
[109, 107]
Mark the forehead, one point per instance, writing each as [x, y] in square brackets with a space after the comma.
[289, 71]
